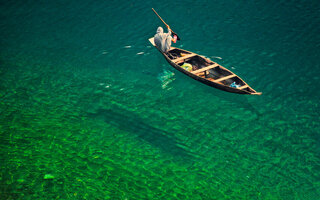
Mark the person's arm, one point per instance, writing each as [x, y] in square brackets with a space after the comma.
[169, 30]
[174, 38]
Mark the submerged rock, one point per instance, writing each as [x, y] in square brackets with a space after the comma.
[48, 177]
[21, 180]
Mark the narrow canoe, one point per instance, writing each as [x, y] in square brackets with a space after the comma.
[206, 71]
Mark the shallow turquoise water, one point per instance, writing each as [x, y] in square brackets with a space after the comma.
[85, 98]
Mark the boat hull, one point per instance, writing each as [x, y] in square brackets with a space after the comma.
[203, 80]
[222, 82]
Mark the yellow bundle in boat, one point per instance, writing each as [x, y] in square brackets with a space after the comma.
[187, 66]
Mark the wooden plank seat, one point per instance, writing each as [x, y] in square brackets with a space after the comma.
[184, 57]
[151, 40]
[205, 68]
[225, 78]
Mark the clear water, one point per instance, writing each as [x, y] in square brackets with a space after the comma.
[89, 110]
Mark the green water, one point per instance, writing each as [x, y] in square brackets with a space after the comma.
[89, 110]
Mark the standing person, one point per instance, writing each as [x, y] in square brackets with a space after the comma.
[163, 40]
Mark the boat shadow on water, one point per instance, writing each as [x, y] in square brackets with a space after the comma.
[132, 123]
[246, 102]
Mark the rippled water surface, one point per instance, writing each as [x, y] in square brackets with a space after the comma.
[89, 110]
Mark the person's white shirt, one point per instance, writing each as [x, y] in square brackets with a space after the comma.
[163, 40]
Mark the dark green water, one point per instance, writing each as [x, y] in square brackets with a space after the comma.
[87, 101]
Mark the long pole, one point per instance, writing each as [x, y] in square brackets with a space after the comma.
[159, 17]
[178, 38]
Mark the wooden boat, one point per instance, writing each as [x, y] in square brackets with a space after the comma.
[206, 71]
